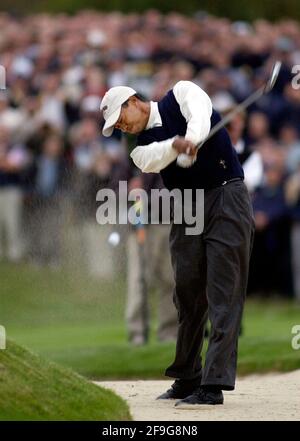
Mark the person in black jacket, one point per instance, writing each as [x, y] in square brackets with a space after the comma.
[210, 268]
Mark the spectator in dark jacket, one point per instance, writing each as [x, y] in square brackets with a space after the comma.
[270, 263]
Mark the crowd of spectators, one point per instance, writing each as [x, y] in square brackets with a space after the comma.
[53, 158]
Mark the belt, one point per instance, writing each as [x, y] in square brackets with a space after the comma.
[232, 180]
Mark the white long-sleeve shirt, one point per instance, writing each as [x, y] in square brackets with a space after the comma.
[196, 107]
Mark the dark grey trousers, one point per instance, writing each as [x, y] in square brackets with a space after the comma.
[211, 276]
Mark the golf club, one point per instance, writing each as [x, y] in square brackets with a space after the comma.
[185, 161]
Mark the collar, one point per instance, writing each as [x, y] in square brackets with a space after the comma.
[154, 117]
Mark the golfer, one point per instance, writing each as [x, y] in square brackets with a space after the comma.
[211, 268]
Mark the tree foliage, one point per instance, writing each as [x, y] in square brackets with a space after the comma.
[233, 9]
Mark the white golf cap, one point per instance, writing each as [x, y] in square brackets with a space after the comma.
[111, 106]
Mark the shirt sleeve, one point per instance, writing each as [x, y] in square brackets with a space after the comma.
[154, 157]
[196, 107]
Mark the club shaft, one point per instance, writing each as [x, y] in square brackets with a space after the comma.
[185, 160]
[239, 108]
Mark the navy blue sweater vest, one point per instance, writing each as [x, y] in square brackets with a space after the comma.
[216, 162]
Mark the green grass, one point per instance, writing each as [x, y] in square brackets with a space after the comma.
[78, 322]
[35, 389]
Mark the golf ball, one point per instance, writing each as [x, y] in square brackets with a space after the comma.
[114, 239]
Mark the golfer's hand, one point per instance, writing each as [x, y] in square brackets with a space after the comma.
[182, 145]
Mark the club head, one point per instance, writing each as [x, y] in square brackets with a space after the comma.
[273, 77]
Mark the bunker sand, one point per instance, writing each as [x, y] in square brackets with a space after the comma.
[268, 397]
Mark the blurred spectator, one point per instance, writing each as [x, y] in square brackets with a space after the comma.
[250, 160]
[98, 164]
[292, 191]
[49, 179]
[52, 108]
[10, 117]
[289, 139]
[95, 237]
[87, 142]
[290, 106]
[13, 162]
[142, 277]
[270, 262]
[258, 127]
